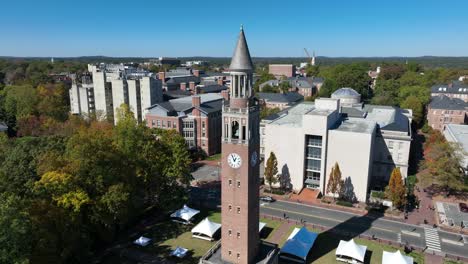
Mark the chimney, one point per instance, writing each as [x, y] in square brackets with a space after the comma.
[220, 81]
[196, 90]
[183, 86]
[196, 101]
[225, 94]
[162, 76]
[450, 85]
[196, 73]
[192, 85]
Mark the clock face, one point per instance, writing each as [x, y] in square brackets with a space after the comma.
[254, 159]
[234, 160]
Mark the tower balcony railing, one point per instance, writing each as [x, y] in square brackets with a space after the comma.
[249, 109]
[235, 141]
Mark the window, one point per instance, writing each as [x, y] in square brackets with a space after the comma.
[230, 252]
[314, 152]
[169, 124]
[158, 122]
[314, 141]
[313, 164]
[152, 123]
[163, 123]
[238, 184]
[203, 143]
[400, 145]
[238, 209]
[238, 234]
[174, 125]
[203, 124]
[238, 255]
[230, 233]
[230, 182]
[312, 175]
[235, 130]
[390, 144]
[230, 208]
[243, 133]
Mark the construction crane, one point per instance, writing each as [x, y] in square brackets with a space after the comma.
[311, 59]
[308, 55]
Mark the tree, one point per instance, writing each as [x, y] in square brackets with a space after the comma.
[415, 104]
[15, 230]
[396, 189]
[442, 163]
[312, 70]
[335, 183]
[271, 170]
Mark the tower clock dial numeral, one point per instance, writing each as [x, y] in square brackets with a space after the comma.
[234, 160]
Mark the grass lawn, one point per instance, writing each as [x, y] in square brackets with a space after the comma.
[168, 235]
[214, 157]
[323, 251]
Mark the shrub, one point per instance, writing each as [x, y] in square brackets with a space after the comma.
[377, 194]
[344, 203]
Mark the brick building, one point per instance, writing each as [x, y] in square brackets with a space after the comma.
[455, 89]
[197, 118]
[279, 70]
[444, 110]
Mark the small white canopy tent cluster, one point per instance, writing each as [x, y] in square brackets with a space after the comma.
[396, 258]
[261, 225]
[184, 215]
[349, 251]
[298, 245]
[142, 241]
[205, 229]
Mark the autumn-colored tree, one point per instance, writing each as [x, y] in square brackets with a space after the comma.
[271, 170]
[396, 189]
[335, 183]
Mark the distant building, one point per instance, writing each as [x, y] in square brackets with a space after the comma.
[111, 85]
[374, 75]
[193, 63]
[168, 61]
[197, 118]
[443, 110]
[279, 100]
[458, 134]
[306, 86]
[279, 70]
[455, 89]
[367, 141]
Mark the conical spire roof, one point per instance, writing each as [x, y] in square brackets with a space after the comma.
[241, 59]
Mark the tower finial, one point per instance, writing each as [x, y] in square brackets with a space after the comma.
[242, 27]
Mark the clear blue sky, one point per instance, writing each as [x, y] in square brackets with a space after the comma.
[209, 28]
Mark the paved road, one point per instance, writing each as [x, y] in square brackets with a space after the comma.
[420, 236]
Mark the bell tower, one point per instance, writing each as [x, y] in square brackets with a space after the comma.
[240, 165]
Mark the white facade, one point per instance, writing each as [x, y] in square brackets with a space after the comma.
[308, 139]
[112, 86]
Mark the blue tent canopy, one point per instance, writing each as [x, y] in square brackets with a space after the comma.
[300, 244]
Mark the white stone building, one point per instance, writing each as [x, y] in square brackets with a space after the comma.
[367, 141]
[110, 87]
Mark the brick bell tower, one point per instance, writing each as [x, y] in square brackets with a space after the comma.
[240, 165]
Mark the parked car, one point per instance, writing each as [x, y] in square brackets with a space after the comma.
[267, 199]
[463, 207]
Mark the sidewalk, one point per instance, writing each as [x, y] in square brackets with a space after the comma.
[280, 233]
[424, 212]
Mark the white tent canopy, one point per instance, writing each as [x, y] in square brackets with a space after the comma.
[396, 258]
[299, 244]
[185, 213]
[142, 241]
[351, 250]
[261, 225]
[205, 228]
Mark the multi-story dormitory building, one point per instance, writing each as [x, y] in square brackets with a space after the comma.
[108, 86]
